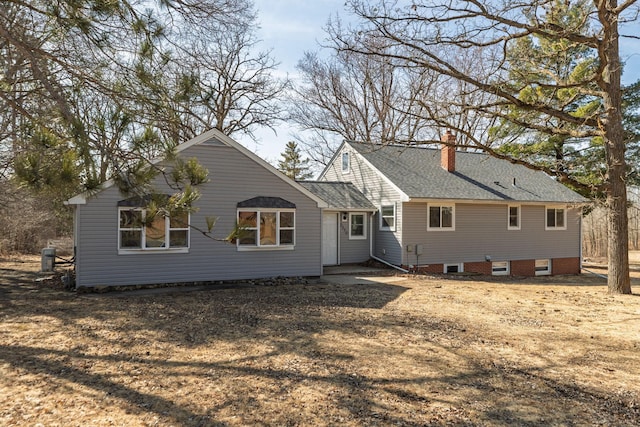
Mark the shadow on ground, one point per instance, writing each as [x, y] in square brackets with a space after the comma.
[357, 353]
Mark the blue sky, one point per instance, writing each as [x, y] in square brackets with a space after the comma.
[291, 27]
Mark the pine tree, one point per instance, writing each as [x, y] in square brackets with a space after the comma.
[292, 163]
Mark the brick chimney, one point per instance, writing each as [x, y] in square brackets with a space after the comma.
[448, 152]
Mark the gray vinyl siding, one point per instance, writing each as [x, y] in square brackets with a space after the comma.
[386, 243]
[481, 230]
[355, 250]
[233, 178]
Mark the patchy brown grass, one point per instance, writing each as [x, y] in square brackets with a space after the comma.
[385, 351]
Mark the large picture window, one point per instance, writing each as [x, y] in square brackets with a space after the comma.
[556, 218]
[137, 232]
[441, 217]
[266, 228]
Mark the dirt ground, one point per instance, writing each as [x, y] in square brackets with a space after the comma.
[396, 350]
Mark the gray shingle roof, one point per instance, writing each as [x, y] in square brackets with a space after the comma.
[339, 195]
[266, 202]
[478, 176]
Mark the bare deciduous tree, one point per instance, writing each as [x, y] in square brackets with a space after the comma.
[358, 99]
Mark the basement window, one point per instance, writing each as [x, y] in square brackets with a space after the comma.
[500, 268]
[543, 267]
[452, 268]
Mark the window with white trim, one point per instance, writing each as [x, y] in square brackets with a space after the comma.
[543, 267]
[513, 217]
[388, 217]
[453, 268]
[555, 218]
[441, 217]
[345, 162]
[357, 226]
[137, 233]
[266, 228]
[500, 268]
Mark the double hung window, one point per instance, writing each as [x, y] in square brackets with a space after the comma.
[357, 226]
[556, 218]
[388, 217]
[513, 212]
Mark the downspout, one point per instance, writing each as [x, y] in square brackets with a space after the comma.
[372, 256]
[581, 242]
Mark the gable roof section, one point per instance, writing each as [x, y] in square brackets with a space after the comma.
[386, 179]
[214, 137]
[416, 171]
[342, 196]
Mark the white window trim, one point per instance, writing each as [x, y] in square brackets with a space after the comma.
[509, 226]
[564, 211]
[395, 219]
[278, 246]
[342, 162]
[453, 216]
[143, 249]
[546, 272]
[364, 226]
[459, 265]
[500, 273]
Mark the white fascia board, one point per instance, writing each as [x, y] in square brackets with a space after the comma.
[81, 199]
[334, 209]
[496, 202]
[335, 154]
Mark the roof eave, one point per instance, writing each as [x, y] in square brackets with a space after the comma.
[339, 209]
[499, 201]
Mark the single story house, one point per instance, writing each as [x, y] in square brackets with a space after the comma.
[112, 249]
[415, 208]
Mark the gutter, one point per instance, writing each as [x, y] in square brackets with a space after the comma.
[372, 256]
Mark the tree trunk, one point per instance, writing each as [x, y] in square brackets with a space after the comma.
[618, 278]
[618, 226]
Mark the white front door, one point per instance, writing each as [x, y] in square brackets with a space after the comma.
[329, 238]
